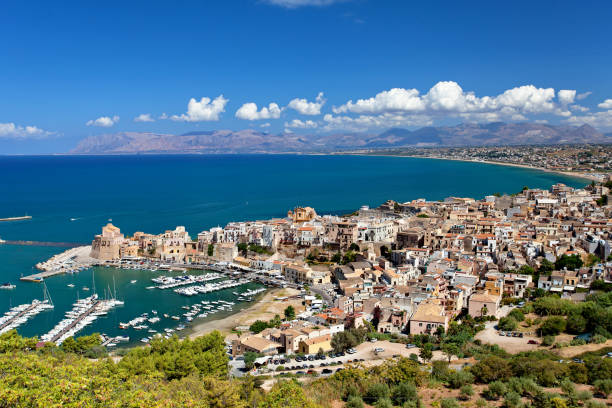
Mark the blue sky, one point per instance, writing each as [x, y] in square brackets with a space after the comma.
[74, 69]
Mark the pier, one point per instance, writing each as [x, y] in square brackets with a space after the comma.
[21, 314]
[70, 261]
[41, 243]
[25, 217]
[76, 321]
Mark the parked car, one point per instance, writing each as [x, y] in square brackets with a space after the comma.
[532, 342]
[373, 340]
[351, 351]
[379, 349]
[326, 371]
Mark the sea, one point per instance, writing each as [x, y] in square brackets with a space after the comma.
[70, 198]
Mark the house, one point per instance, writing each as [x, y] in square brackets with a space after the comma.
[484, 304]
[315, 344]
[427, 318]
[256, 344]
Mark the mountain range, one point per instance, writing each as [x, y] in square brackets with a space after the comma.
[252, 141]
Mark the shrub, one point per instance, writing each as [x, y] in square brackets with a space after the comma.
[517, 315]
[594, 404]
[495, 390]
[552, 326]
[457, 379]
[490, 369]
[376, 391]
[384, 403]
[598, 339]
[404, 392]
[576, 324]
[354, 402]
[577, 342]
[548, 340]
[584, 395]
[466, 392]
[480, 403]
[512, 400]
[603, 387]
[449, 403]
[439, 370]
[351, 391]
[578, 373]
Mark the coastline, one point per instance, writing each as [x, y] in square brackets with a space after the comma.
[263, 308]
[524, 166]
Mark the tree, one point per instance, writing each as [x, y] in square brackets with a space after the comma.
[404, 392]
[289, 313]
[336, 258]
[552, 326]
[491, 368]
[450, 349]
[376, 391]
[426, 351]
[495, 390]
[249, 359]
[576, 324]
[570, 262]
[517, 315]
[507, 324]
[354, 247]
[258, 326]
[211, 249]
[546, 267]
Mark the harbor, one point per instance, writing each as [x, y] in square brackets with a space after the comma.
[19, 315]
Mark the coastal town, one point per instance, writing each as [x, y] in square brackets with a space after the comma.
[402, 269]
[591, 161]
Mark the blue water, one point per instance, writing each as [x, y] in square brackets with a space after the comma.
[155, 193]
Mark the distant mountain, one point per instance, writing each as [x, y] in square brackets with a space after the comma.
[252, 141]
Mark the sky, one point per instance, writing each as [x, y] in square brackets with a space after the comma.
[73, 69]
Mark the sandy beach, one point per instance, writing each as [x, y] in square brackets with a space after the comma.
[264, 309]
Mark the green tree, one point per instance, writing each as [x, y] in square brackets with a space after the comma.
[287, 394]
[211, 249]
[603, 386]
[552, 326]
[426, 351]
[507, 323]
[258, 326]
[375, 392]
[546, 267]
[404, 392]
[249, 359]
[289, 313]
[570, 262]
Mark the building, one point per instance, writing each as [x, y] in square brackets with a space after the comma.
[427, 318]
[483, 304]
[316, 344]
[107, 246]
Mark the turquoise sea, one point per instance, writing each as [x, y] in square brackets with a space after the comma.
[71, 197]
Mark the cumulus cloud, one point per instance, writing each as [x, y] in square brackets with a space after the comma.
[203, 111]
[265, 125]
[566, 96]
[302, 3]
[249, 111]
[12, 131]
[305, 107]
[447, 99]
[103, 121]
[607, 104]
[299, 124]
[601, 120]
[144, 117]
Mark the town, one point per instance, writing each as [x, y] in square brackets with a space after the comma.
[592, 161]
[403, 268]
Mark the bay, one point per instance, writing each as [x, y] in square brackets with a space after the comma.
[71, 197]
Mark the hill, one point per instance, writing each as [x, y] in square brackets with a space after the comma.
[252, 141]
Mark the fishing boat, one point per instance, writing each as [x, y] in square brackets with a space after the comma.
[70, 285]
[7, 286]
[133, 281]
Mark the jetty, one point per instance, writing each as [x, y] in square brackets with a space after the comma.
[25, 217]
[18, 315]
[70, 261]
[85, 311]
[41, 243]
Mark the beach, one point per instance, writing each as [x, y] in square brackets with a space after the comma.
[263, 309]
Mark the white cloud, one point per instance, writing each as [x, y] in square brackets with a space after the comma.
[144, 117]
[302, 3]
[249, 111]
[298, 124]
[308, 108]
[607, 104]
[103, 121]
[12, 131]
[583, 95]
[396, 99]
[203, 111]
[265, 125]
[364, 122]
[566, 96]
[601, 120]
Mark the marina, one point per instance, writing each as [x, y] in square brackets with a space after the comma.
[84, 313]
[210, 287]
[19, 315]
[168, 282]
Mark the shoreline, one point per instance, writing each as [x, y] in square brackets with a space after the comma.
[584, 176]
[263, 308]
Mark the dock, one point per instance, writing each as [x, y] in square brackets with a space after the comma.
[25, 217]
[42, 243]
[76, 321]
[24, 312]
[69, 261]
